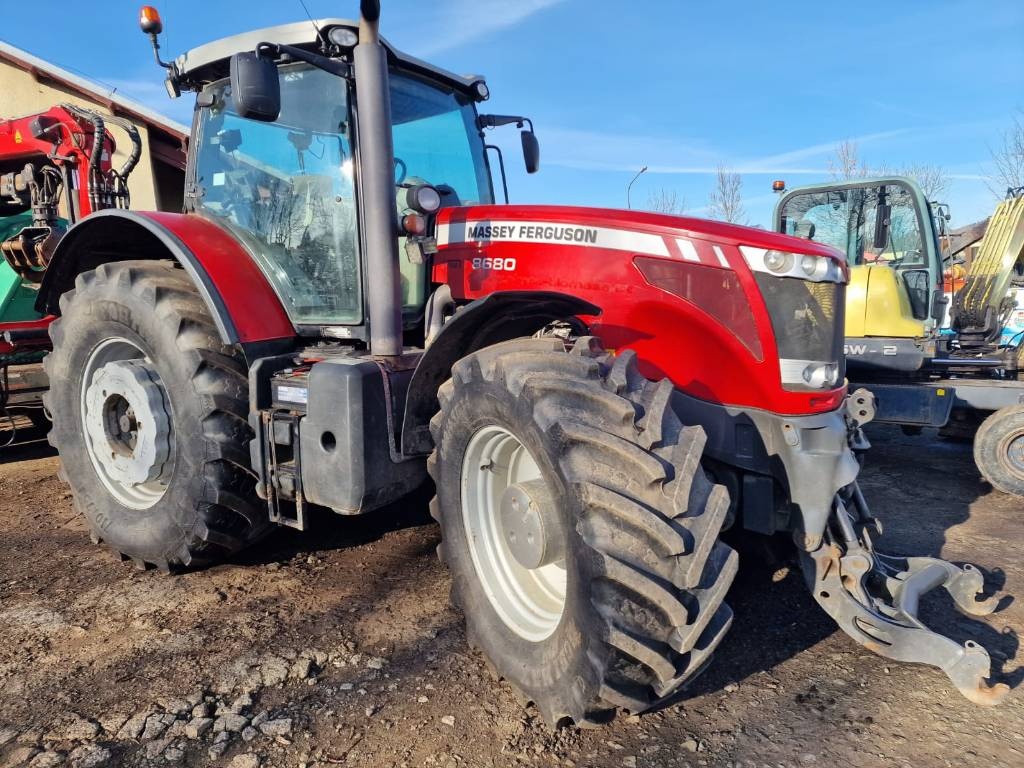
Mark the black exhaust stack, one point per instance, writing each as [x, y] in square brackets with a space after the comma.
[377, 186]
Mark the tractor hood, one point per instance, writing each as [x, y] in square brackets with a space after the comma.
[693, 298]
[653, 234]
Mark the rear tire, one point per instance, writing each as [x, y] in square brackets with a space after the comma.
[999, 449]
[198, 504]
[639, 607]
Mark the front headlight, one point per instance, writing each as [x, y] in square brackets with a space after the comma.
[807, 324]
[818, 269]
[821, 375]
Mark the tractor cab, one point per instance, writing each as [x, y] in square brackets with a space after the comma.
[284, 179]
[886, 229]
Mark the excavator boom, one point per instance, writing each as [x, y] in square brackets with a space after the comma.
[982, 307]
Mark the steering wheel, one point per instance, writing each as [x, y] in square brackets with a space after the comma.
[401, 171]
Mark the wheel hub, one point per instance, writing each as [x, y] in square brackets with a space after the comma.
[515, 537]
[127, 424]
[1015, 453]
[531, 524]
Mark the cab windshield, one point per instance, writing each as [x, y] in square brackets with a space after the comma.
[287, 189]
[847, 219]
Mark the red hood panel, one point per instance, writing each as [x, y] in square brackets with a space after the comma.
[618, 219]
[708, 329]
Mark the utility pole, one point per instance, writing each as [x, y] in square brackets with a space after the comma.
[630, 186]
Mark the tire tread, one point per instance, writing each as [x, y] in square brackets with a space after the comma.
[649, 514]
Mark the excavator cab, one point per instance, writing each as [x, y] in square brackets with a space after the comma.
[953, 361]
[885, 227]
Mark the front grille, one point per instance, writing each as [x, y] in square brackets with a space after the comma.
[807, 318]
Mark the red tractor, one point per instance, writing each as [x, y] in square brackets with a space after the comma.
[597, 394]
[55, 168]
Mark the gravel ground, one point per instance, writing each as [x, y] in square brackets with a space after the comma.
[338, 647]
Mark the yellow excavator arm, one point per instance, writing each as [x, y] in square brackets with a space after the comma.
[986, 301]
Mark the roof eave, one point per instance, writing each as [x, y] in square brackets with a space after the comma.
[108, 98]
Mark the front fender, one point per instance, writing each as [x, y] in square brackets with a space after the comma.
[243, 304]
[499, 316]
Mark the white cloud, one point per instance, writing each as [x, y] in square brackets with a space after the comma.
[593, 151]
[599, 151]
[461, 21]
[823, 149]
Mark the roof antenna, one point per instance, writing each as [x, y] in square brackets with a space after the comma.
[311, 21]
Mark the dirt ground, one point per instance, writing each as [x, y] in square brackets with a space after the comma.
[338, 647]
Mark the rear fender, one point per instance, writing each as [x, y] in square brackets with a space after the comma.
[497, 317]
[241, 301]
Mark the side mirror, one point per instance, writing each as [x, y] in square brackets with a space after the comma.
[939, 303]
[531, 151]
[255, 88]
[882, 214]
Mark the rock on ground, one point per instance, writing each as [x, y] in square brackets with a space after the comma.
[47, 760]
[90, 756]
[279, 727]
[198, 726]
[230, 722]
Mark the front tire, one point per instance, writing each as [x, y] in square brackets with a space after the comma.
[999, 449]
[149, 417]
[617, 599]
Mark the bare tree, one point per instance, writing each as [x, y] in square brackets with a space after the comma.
[725, 202]
[1009, 160]
[666, 201]
[931, 178]
[846, 162]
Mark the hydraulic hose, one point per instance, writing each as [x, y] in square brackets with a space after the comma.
[133, 136]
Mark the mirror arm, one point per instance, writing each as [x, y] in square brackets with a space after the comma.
[501, 165]
[331, 66]
[496, 121]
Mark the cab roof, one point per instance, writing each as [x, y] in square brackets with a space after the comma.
[208, 63]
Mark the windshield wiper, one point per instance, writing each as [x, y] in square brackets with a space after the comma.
[329, 65]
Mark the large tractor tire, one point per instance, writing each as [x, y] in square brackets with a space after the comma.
[149, 416]
[579, 528]
[999, 449]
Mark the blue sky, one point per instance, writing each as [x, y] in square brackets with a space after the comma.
[768, 89]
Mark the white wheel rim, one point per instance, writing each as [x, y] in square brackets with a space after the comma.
[530, 601]
[1014, 452]
[126, 423]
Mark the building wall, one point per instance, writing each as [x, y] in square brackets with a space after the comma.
[21, 94]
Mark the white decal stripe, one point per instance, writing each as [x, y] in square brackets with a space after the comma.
[688, 249]
[550, 233]
[720, 255]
